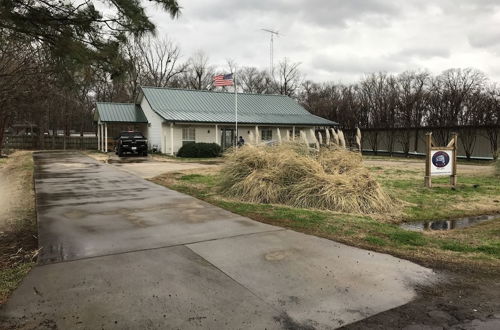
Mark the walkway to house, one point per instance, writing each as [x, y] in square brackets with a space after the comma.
[120, 252]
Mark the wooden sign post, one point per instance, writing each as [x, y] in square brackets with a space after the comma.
[440, 160]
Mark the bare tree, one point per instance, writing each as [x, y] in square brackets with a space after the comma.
[253, 80]
[199, 73]
[159, 59]
[378, 95]
[491, 118]
[16, 70]
[412, 102]
[288, 78]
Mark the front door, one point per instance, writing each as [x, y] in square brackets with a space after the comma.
[228, 138]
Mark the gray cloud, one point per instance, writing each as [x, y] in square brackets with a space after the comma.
[357, 64]
[423, 52]
[316, 12]
[340, 39]
[485, 39]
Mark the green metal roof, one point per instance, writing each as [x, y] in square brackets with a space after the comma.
[183, 105]
[120, 112]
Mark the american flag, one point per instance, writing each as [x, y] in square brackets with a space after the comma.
[223, 80]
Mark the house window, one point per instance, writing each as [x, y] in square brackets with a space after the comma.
[188, 135]
[266, 134]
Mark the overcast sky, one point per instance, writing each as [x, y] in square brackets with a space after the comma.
[340, 40]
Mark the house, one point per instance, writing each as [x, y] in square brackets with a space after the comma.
[171, 117]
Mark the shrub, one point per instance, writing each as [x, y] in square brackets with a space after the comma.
[200, 150]
[292, 174]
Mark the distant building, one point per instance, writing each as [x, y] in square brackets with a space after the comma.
[172, 117]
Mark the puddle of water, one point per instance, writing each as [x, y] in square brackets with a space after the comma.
[448, 224]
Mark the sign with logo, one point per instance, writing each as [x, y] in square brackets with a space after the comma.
[441, 162]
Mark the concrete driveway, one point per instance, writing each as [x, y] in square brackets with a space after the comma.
[119, 252]
[149, 167]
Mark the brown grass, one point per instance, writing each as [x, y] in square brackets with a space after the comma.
[18, 241]
[292, 174]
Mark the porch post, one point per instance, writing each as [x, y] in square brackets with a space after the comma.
[171, 139]
[164, 143]
[105, 137]
[256, 134]
[98, 137]
[293, 133]
[216, 133]
[102, 137]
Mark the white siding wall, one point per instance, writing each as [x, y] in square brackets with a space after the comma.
[166, 138]
[243, 132]
[154, 130]
[177, 142]
[206, 133]
[177, 137]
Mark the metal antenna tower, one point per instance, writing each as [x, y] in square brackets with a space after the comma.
[271, 50]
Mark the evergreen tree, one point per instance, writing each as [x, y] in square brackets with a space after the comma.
[78, 29]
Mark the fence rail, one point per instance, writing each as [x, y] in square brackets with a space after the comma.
[50, 142]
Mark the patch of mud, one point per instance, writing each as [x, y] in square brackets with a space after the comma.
[462, 301]
[22, 324]
[289, 323]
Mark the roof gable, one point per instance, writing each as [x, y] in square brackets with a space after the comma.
[207, 106]
[120, 112]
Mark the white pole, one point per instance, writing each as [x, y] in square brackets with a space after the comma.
[102, 137]
[98, 137]
[235, 105]
[172, 139]
[216, 133]
[106, 137]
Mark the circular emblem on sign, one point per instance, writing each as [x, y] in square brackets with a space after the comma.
[440, 159]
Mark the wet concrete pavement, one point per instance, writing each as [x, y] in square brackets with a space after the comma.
[148, 167]
[119, 252]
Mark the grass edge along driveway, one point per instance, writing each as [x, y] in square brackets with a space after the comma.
[477, 247]
[18, 234]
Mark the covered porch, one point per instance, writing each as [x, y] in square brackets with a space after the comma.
[175, 135]
[113, 118]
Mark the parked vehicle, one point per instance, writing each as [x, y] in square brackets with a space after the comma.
[131, 143]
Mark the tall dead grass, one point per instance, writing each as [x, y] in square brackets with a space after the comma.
[293, 174]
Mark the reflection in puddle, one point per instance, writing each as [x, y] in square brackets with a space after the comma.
[448, 224]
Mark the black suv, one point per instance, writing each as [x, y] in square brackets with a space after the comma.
[131, 143]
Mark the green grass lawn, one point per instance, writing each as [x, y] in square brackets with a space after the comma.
[474, 194]
[477, 246]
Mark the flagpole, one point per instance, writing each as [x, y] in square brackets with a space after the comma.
[236, 106]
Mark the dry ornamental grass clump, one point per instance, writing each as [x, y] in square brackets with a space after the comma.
[293, 174]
